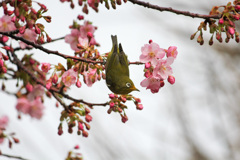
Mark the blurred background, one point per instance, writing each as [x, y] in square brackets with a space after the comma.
[197, 118]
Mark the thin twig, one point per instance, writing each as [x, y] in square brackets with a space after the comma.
[40, 47]
[49, 51]
[169, 9]
[11, 156]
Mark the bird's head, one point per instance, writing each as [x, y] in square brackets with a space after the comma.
[126, 85]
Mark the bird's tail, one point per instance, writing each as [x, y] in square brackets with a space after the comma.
[115, 44]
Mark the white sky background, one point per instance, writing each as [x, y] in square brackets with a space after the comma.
[153, 133]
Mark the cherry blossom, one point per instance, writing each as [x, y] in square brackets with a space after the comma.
[83, 42]
[172, 52]
[37, 91]
[90, 77]
[72, 39]
[163, 68]
[151, 83]
[151, 52]
[23, 105]
[36, 108]
[4, 121]
[6, 24]
[29, 35]
[69, 77]
[45, 67]
[87, 27]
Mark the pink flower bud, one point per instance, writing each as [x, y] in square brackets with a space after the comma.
[89, 34]
[88, 118]
[37, 30]
[34, 11]
[1, 63]
[49, 85]
[22, 29]
[4, 39]
[80, 126]
[138, 100]
[162, 83]
[231, 30]
[111, 104]
[76, 147]
[29, 87]
[150, 41]
[171, 79]
[124, 118]
[147, 65]
[31, 61]
[78, 83]
[139, 106]
[85, 134]
[4, 69]
[80, 17]
[237, 7]
[221, 21]
[5, 57]
[55, 78]
[60, 131]
[13, 19]
[7, 48]
[147, 74]
[111, 95]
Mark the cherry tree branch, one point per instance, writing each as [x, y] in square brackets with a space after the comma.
[169, 9]
[11, 156]
[52, 89]
[49, 51]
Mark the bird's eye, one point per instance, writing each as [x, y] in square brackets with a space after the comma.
[128, 84]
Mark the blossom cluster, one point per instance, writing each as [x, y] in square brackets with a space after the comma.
[116, 104]
[226, 24]
[4, 120]
[73, 119]
[157, 69]
[32, 104]
[23, 17]
[94, 4]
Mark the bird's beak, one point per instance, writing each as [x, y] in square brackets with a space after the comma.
[134, 89]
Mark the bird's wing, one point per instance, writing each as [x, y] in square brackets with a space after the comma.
[123, 61]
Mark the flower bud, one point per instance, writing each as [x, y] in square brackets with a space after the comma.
[85, 134]
[4, 39]
[171, 79]
[111, 95]
[147, 65]
[162, 83]
[4, 69]
[139, 106]
[49, 85]
[80, 126]
[88, 118]
[78, 83]
[221, 21]
[231, 30]
[124, 118]
[80, 17]
[150, 41]
[76, 147]
[55, 78]
[1, 63]
[5, 57]
[111, 104]
[89, 35]
[22, 29]
[29, 87]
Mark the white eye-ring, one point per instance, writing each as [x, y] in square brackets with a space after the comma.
[128, 84]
